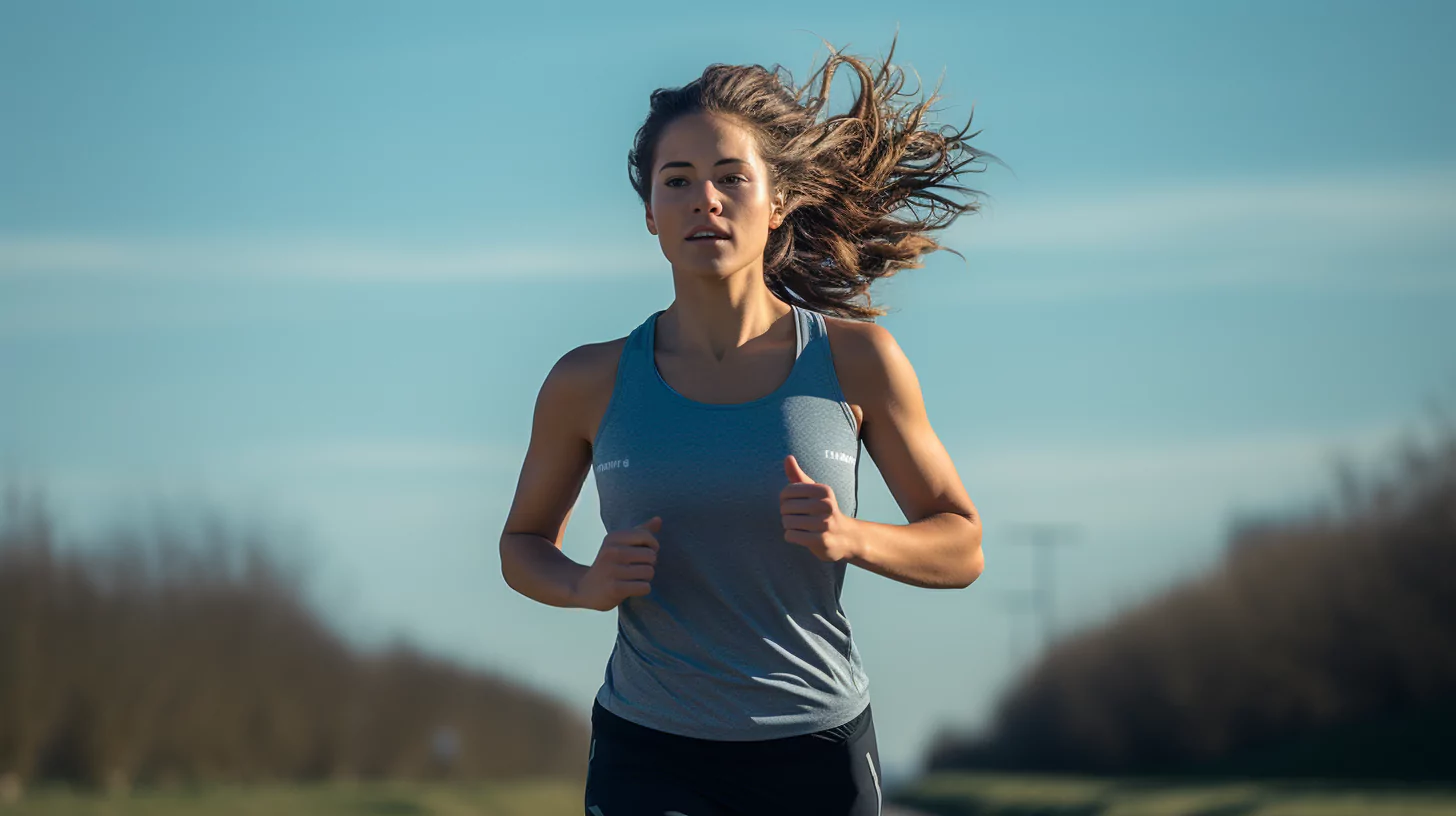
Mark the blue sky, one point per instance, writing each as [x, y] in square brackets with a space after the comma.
[307, 264]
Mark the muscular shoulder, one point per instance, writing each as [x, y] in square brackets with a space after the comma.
[865, 355]
[590, 363]
[579, 385]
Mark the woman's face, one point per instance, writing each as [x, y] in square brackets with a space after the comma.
[709, 175]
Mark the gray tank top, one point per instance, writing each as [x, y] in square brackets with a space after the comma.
[742, 636]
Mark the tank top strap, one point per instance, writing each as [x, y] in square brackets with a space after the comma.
[635, 371]
[639, 369]
[816, 362]
[803, 328]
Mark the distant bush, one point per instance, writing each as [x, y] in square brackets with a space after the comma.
[1323, 645]
[173, 660]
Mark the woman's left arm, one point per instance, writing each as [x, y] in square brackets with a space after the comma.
[941, 546]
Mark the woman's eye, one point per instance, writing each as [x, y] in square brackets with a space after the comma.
[739, 179]
[734, 181]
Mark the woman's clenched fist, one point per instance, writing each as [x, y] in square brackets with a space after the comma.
[812, 518]
[623, 568]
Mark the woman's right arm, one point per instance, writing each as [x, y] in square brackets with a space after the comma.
[558, 458]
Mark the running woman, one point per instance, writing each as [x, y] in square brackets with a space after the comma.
[724, 434]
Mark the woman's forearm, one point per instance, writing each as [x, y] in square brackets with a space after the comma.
[533, 566]
[942, 551]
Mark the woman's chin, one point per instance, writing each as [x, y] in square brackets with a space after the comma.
[721, 268]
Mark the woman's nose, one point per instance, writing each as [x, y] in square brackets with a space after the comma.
[709, 200]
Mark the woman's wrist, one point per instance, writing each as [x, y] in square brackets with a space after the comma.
[539, 570]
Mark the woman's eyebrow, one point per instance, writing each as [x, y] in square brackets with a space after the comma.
[690, 164]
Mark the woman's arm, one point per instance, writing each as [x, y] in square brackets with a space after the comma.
[556, 464]
[941, 546]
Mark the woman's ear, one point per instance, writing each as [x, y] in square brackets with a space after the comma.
[651, 223]
[779, 212]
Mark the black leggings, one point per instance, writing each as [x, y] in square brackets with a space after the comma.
[638, 771]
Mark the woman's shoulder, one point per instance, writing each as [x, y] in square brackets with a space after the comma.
[582, 379]
[588, 368]
[858, 346]
[867, 360]
[590, 361]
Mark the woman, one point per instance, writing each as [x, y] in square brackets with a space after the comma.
[724, 434]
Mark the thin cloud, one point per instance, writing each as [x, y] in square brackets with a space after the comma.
[1326, 212]
[381, 457]
[308, 260]
[1192, 482]
[1039, 279]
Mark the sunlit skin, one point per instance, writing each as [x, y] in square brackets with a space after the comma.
[707, 170]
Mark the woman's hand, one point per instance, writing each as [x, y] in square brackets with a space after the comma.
[812, 518]
[623, 568]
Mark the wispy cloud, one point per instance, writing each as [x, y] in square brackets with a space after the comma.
[1330, 211]
[379, 456]
[309, 260]
[1358, 232]
[380, 480]
[1037, 278]
[1189, 482]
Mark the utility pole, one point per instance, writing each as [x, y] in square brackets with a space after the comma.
[1015, 602]
[1042, 537]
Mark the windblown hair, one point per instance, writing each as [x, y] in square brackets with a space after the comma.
[853, 184]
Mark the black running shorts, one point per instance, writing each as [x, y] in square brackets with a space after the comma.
[638, 771]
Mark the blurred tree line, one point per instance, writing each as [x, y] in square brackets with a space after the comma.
[176, 659]
[1323, 645]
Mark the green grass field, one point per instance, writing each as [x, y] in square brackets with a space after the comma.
[943, 794]
[543, 798]
[1035, 795]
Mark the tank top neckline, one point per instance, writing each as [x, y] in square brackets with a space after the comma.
[800, 341]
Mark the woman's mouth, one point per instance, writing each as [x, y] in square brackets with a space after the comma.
[706, 232]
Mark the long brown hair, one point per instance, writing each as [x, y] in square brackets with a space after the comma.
[854, 184]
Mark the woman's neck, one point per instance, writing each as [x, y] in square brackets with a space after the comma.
[713, 324]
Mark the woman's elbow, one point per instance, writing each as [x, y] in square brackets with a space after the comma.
[976, 564]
